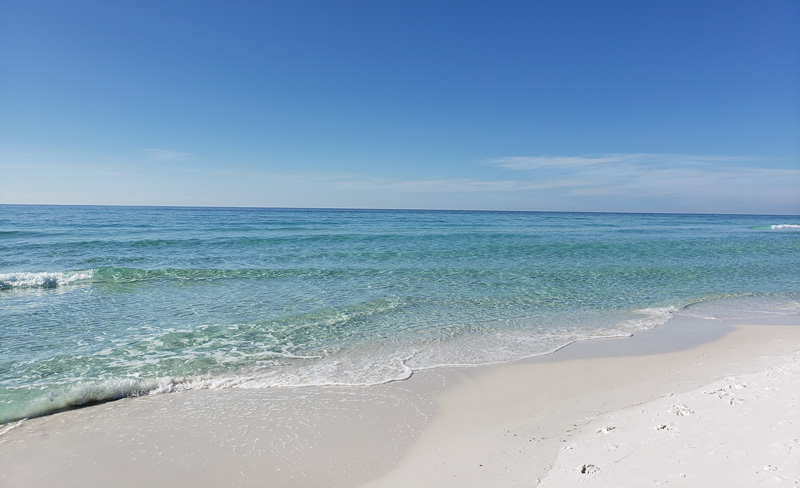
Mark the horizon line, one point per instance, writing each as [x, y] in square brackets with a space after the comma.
[386, 209]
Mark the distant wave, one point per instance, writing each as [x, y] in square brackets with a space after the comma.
[785, 226]
[131, 275]
[27, 233]
[42, 280]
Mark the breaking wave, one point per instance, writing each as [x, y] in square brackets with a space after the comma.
[42, 280]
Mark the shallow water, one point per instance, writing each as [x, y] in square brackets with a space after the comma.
[98, 303]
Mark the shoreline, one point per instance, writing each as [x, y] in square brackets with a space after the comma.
[495, 425]
[507, 425]
[91, 395]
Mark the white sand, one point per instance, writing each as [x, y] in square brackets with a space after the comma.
[740, 431]
[538, 421]
[335, 437]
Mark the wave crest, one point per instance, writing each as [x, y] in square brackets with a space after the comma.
[42, 280]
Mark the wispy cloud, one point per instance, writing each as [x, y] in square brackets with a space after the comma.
[163, 154]
[437, 185]
[732, 182]
[662, 182]
[529, 163]
[588, 162]
[649, 173]
[637, 176]
[606, 174]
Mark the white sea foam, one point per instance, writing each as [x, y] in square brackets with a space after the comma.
[784, 226]
[651, 318]
[358, 371]
[42, 280]
[4, 429]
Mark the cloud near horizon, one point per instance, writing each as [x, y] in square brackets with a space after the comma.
[682, 178]
[658, 174]
[530, 163]
[602, 174]
[436, 185]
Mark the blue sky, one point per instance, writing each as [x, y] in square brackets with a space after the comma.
[664, 106]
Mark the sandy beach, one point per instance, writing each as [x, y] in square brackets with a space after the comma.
[399, 244]
[698, 402]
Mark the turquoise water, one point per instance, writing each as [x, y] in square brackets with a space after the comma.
[98, 303]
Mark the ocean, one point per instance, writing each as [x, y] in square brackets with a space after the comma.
[101, 303]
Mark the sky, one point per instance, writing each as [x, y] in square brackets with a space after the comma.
[602, 105]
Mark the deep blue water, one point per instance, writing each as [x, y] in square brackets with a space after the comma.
[98, 303]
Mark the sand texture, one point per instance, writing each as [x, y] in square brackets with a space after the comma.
[698, 402]
[740, 431]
